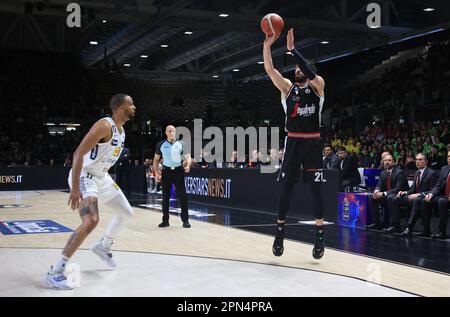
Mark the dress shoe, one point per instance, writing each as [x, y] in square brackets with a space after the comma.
[186, 224]
[422, 234]
[164, 224]
[440, 235]
[407, 233]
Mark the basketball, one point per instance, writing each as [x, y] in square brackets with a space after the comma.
[271, 24]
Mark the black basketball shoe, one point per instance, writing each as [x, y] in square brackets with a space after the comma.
[277, 247]
[319, 246]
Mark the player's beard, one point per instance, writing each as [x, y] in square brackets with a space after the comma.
[130, 115]
[301, 79]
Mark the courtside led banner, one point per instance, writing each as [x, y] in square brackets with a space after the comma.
[210, 187]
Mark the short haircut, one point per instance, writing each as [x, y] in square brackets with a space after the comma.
[328, 145]
[117, 100]
[423, 155]
[342, 148]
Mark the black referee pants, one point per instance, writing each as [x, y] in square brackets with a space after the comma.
[173, 176]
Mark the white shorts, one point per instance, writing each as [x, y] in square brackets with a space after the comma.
[103, 188]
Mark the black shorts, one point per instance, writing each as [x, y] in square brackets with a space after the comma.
[302, 161]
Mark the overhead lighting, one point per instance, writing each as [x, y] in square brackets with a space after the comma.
[93, 42]
[104, 21]
[127, 65]
[144, 56]
[188, 32]
[260, 63]
[235, 70]
[49, 124]
[164, 45]
[215, 76]
[324, 42]
[224, 15]
[429, 9]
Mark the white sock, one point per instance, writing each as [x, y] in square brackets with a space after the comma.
[106, 242]
[60, 266]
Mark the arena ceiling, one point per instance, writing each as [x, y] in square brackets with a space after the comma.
[189, 38]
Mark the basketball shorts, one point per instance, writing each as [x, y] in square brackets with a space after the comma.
[103, 187]
[302, 160]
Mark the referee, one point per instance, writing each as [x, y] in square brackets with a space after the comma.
[171, 152]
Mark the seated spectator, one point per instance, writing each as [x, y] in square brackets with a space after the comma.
[275, 158]
[383, 155]
[410, 161]
[232, 163]
[401, 159]
[330, 160]
[439, 198]
[435, 160]
[67, 162]
[254, 159]
[392, 180]
[424, 180]
[349, 167]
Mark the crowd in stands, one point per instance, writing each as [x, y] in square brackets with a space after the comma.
[402, 140]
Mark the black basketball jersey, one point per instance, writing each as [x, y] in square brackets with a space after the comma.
[303, 107]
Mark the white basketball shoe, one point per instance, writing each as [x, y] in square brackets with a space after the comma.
[104, 254]
[57, 280]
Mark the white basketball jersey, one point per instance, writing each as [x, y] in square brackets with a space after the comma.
[104, 155]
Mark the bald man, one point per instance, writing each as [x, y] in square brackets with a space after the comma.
[383, 156]
[171, 152]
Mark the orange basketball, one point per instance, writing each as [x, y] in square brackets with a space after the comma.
[271, 24]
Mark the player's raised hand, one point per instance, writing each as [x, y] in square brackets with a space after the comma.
[290, 39]
[271, 39]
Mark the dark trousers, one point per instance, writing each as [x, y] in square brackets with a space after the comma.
[415, 205]
[378, 216]
[442, 204]
[176, 177]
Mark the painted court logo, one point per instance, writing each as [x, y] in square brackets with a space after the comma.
[31, 227]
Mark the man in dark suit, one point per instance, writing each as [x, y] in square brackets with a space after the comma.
[424, 180]
[392, 180]
[440, 198]
[349, 167]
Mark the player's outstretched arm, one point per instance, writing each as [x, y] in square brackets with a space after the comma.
[283, 84]
[315, 80]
